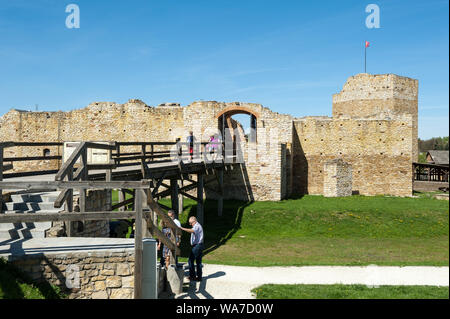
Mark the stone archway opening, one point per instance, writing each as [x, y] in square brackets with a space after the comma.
[238, 125]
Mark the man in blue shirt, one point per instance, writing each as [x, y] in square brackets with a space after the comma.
[197, 248]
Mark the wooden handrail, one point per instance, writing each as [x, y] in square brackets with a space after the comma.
[72, 216]
[32, 158]
[51, 185]
[70, 162]
[12, 144]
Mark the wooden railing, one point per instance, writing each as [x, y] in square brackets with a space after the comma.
[3, 167]
[73, 175]
[430, 172]
[144, 208]
[66, 172]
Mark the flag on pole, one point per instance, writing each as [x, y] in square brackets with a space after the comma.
[367, 43]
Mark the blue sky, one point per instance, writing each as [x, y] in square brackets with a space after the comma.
[290, 56]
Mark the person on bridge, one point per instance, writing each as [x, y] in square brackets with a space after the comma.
[190, 140]
[197, 249]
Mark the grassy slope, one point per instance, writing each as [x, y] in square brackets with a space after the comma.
[315, 230]
[16, 285]
[349, 292]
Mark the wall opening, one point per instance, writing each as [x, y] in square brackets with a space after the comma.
[238, 126]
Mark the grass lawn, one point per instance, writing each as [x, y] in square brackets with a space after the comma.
[349, 292]
[15, 285]
[315, 230]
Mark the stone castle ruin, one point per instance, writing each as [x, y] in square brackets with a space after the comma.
[372, 133]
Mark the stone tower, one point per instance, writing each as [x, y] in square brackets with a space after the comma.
[382, 96]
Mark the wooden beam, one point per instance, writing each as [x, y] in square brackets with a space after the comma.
[174, 195]
[32, 185]
[189, 196]
[163, 238]
[180, 199]
[62, 197]
[99, 146]
[154, 206]
[219, 174]
[10, 144]
[123, 203]
[138, 246]
[200, 198]
[68, 165]
[32, 158]
[7, 167]
[158, 184]
[69, 204]
[180, 190]
[65, 216]
[164, 206]
[1, 177]
[6, 144]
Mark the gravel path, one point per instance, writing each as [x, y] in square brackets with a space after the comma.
[224, 282]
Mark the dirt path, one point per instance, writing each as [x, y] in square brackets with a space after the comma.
[224, 282]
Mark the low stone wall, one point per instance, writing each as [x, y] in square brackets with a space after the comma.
[90, 269]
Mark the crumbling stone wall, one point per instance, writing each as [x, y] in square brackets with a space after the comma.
[374, 128]
[382, 96]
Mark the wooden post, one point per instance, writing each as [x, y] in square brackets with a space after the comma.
[174, 196]
[121, 195]
[133, 206]
[108, 178]
[180, 199]
[143, 165]
[69, 203]
[220, 199]
[1, 179]
[84, 177]
[138, 245]
[200, 198]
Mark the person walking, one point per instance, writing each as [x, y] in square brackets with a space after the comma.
[197, 249]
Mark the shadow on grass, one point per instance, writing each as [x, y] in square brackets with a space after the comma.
[217, 229]
[11, 279]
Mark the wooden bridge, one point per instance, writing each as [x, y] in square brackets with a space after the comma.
[141, 174]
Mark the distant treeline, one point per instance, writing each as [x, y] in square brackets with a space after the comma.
[434, 143]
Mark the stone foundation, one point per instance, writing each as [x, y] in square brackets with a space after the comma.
[87, 268]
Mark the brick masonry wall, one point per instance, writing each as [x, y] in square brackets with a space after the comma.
[102, 275]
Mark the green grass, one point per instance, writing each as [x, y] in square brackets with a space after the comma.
[315, 230]
[16, 285]
[349, 292]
